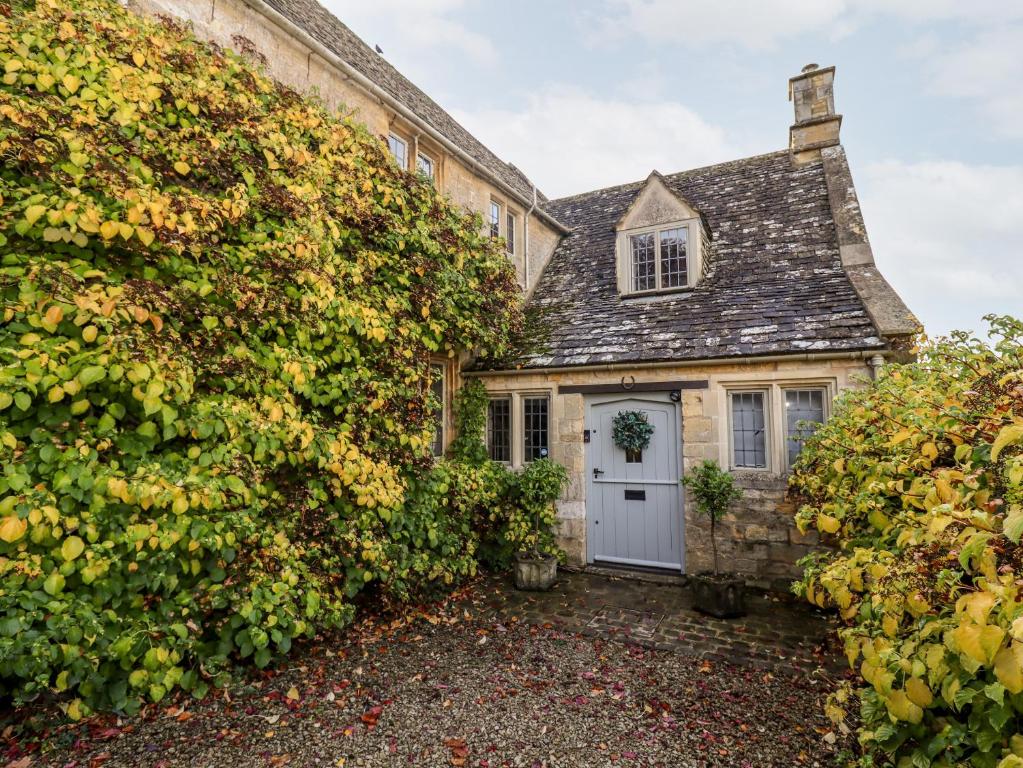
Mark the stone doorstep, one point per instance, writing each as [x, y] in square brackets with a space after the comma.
[629, 574]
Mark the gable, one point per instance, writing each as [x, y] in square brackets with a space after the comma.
[656, 204]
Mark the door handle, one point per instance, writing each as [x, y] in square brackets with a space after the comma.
[597, 473]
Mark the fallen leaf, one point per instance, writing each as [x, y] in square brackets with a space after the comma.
[293, 693]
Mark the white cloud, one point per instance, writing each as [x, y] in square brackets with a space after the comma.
[407, 30]
[764, 24]
[987, 68]
[948, 236]
[570, 141]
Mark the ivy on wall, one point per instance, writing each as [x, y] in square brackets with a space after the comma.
[218, 305]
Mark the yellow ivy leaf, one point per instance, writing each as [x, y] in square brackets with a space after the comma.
[72, 547]
[89, 333]
[976, 605]
[828, 524]
[901, 708]
[108, 230]
[1007, 436]
[182, 167]
[138, 57]
[74, 710]
[12, 528]
[293, 693]
[54, 315]
[71, 82]
[1009, 667]
[144, 235]
[979, 642]
[918, 692]
[33, 213]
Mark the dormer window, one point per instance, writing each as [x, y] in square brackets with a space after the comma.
[660, 242]
[659, 259]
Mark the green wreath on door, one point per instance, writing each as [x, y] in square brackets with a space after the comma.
[632, 430]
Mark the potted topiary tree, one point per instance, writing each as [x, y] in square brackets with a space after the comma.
[716, 593]
[532, 524]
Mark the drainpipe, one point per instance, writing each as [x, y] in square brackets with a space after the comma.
[525, 243]
[875, 363]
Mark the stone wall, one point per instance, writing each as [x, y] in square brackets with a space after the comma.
[237, 25]
[757, 537]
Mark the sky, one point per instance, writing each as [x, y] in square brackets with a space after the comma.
[582, 95]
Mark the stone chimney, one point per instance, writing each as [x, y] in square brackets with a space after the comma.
[816, 123]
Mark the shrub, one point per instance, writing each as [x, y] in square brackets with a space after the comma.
[219, 307]
[713, 491]
[531, 524]
[919, 480]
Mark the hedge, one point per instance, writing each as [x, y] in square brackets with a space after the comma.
[219, 306]
[918, 479]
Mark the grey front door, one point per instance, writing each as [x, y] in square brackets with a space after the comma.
[634, 502]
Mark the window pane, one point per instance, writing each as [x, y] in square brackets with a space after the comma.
[399, 149]
[801, 405]
[674, 269]
[644, 266]
[535, 418]
[437, 390]
[509, 234]
[424, 165]
[749, 438]
[499, 429]
[495, 219]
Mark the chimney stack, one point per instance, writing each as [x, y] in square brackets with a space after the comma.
[816, 123]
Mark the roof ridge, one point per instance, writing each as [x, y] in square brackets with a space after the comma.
[326, 28]
[672, 175]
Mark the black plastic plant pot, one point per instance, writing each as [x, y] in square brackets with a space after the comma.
[722, 596]
[535, 573]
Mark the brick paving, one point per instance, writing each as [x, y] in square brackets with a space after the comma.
[778, 633]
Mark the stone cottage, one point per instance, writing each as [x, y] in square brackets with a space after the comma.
[727, 304]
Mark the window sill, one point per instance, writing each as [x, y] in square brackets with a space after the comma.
[655, 293]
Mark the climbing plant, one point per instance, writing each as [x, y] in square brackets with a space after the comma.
[918, 481]
[219, 303]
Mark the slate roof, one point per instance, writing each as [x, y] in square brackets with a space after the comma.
[773, 283]
[330, 32]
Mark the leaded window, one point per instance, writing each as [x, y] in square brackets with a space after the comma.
[495, 219]
[399, 149]
[499, 429]
[437, 390]
[749, 430]
[535, 426]
[674, 267]
[424, 164]
[804, 412]
[644, 263]
[509, 234]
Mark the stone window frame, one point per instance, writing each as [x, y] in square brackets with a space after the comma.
[825, 411]
[694, 257]
[765, 391]
[518, 422]
[774, 417]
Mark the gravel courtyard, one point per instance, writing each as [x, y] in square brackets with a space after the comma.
[464, 687]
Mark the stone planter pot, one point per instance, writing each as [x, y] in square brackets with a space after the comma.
[722, 596]
[535, 572]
